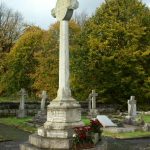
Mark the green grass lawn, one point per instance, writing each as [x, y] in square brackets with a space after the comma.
[18, 123]
[146, 118]
[136, 134]
[85, 120]
[16, 99]
[8, 99]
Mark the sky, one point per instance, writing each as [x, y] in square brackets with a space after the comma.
[38, 12]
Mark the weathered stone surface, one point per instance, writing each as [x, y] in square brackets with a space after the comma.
[50, 143]
[44, 96]
[28, 146]
[119, 129]
[147, 113]
[132, 107]
[22, 111]
[132, 113]
[105, 121]
[40, 118]
[64, 9]
[64, 111]
[93, 111]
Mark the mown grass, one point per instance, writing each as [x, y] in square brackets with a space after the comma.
[16, 99]
[128, 135]
[85, 120]
[18, 123]
[8, 99]
[146, 118]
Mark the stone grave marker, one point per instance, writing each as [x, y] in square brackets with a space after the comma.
[132, 107]
[44, 96]
[132, 113]
[41, 116]
[105, 121]
[22, 111]
[93, 112]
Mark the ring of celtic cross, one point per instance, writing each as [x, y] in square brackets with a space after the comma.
[64, 9]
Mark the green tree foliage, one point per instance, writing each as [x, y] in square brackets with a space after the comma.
[114, 53]
[46, 71]
[33, 61]
[11, 26]
[21, 62]
[46, 74]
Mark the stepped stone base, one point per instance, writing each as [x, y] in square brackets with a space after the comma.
[28, 146]
[37, 142]
[57, 132]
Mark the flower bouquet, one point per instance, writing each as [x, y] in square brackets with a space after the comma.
[87, 136]
[82, 138]
[96, 130]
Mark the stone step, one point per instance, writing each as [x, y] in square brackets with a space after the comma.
[49, 143]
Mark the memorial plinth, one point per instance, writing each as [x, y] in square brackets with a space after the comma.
[64, 112]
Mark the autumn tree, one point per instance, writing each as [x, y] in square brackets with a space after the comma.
[11, 26]
[46, 74]
[46, 70]
[21, 62]
[113, 54]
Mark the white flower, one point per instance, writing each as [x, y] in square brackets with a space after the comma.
[74, 135]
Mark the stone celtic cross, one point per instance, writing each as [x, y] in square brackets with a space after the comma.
[23, 94]
[64, 9]
[94, 95]
[64, 112]
[63, 13]
[132, 106]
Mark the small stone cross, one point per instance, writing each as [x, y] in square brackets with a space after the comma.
[23, 93]
[44, 96]
[93, 96]
[132, 106]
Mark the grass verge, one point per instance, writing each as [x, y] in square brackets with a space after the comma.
[127, 135]
[146, 118]
[18, 123]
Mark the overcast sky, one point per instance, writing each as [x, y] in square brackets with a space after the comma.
[38, 12]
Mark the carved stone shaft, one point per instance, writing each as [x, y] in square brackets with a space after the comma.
[64, 91]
